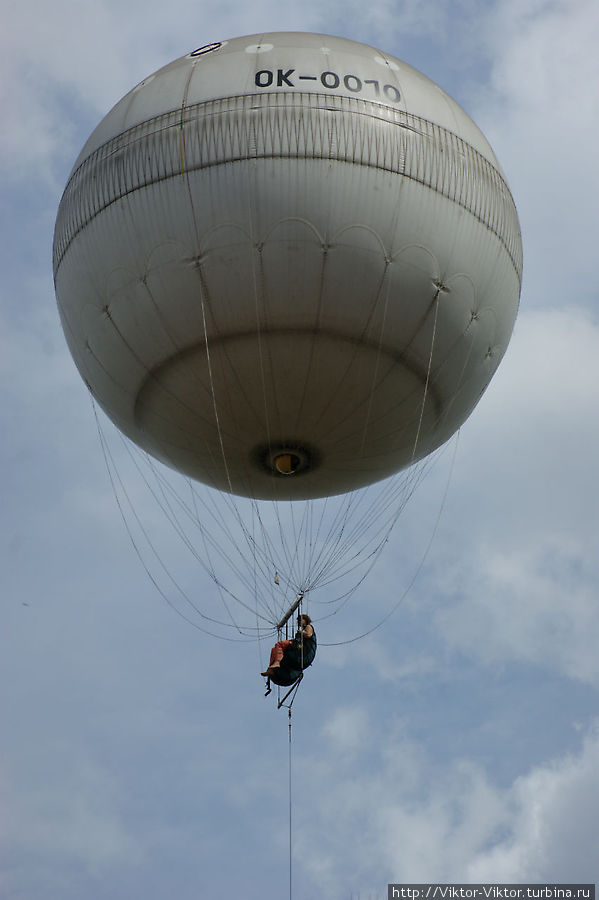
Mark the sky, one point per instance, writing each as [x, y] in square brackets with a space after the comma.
[457, 743]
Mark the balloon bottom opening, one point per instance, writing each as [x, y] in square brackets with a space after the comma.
[286, 460]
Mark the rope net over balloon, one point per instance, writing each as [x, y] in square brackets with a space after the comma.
[287, 267]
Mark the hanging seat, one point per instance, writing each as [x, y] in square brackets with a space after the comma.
[294, 661]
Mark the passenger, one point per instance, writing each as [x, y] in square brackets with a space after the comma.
[302, 648]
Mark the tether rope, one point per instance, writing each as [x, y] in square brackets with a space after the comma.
[290, 817]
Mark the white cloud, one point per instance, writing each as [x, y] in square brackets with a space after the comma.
[520, 575]
[540, 112]
[553, 824]
[394, 664]
[399, 817]
[77, 820]
[62, 69]
[345, 730]
[539, 607]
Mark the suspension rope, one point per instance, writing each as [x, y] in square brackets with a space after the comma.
[359, 525]
[112, 474]
[290, 816]
[416, 573]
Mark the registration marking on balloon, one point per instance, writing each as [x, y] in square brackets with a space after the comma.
[282, 78]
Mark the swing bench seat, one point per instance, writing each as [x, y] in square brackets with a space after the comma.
[291, 667]
[291, 671]
[284, 675]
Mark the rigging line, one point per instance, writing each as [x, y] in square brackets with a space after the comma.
[220, 522]
[408, 495]
[333, 536]
[357, 537]
[406, 489]
[179, 530]
[250, 539]
[302, 547]
[267, 552]
[317, 319]
[290, 814]
[421, 473]
[251, 564]
[267, 582]
[278, 585]
[253, 539]
[361, 340]
[371, 523]
[428, 374]
[212, 390]
[229, 501]
[203, 288]
[319, 557]
[341, 601]
[260, 306]
[203, 300]
[183, 537]
[318, 533]
[373, 383]
[345, 536]
[342, 537]
[439, 290]
[259, 647]
[288, 554]
[465, 363]
[223, 599]
[111, 471]
[405, 486]
[209, 541]
[170, 514]
[203, 285]
[309, 546]
[377, 552]
[287, 546]
[419, 568]
[299, 531]
[150, 374]
[339, 542]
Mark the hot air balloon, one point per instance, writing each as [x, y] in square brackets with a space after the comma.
[287, 265]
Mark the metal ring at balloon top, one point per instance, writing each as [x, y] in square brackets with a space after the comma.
[207, 48]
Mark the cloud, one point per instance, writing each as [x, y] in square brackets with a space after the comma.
[538, 607]
[344, 731]
[553, 822]
[76, 821]
[397, 816]
[519, 578]
[61, 72]
[540, 113]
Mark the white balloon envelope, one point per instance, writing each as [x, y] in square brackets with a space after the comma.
[287, 265]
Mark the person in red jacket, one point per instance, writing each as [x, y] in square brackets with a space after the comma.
[304, 639]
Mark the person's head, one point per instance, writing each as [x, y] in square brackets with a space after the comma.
[304, 620]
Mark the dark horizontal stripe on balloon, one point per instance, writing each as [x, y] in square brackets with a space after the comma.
[281, 126]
